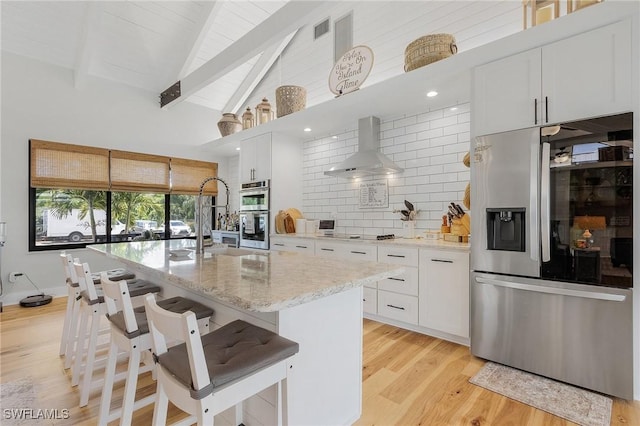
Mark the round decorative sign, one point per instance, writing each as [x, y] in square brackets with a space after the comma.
[351, 70]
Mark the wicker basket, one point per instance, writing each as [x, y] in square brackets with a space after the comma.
[290, 99]
[428, 49]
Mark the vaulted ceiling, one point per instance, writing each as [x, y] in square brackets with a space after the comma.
[153, 44]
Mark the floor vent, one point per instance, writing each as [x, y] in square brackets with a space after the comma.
[321, 29]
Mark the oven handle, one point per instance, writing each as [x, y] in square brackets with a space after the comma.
[553, 290]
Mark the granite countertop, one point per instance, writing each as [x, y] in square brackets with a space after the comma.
[398, 241]
[253, 280]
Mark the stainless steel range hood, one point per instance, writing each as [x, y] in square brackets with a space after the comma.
[368, 160]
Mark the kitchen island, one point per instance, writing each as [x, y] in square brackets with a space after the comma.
[315, 302]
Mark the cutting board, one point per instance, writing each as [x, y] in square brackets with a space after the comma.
[280, 228]
[289, 224]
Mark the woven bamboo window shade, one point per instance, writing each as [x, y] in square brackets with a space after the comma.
[187, 175]
[57, 165]
[139, 172]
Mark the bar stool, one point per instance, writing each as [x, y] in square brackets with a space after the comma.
[206, 375]
[69, 328]
[92, 307]
[130, 333]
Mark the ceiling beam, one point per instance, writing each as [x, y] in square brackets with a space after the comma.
[208, 15]
[267, 59]
[272, 30]
[87, 45]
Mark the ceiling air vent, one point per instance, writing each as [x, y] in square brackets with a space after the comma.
[321, 29]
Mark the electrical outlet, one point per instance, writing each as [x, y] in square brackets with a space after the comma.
[13, 276]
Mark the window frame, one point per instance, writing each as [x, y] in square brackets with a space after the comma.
[36, 144]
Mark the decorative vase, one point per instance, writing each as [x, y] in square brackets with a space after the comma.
[290, 99]
[229, 124]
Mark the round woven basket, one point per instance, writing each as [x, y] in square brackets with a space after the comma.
[428, 49]
[290, 99]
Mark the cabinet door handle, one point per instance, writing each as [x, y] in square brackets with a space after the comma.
[535, 111]
[358, 252]
[326, 249]
[278, 244]
[397, 279]
[396, 255]
[546, 109]
[442, 260]
[302, 246]
[396, 307]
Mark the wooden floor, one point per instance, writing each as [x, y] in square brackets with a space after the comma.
[408, 378]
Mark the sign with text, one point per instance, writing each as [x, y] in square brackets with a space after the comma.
[374, 194]
[351, 70]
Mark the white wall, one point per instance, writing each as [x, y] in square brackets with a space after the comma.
[39, 101]
[430, 147]
[387, 27]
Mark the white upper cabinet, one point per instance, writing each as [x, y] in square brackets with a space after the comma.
[588, 75]
[255, 158]
[506, 93]
[582, 76]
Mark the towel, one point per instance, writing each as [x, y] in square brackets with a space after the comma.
[250, 224]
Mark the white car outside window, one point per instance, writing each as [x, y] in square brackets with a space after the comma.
[178, 227]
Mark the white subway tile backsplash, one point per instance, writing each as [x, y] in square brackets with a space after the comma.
[429, 146]
[431, 133]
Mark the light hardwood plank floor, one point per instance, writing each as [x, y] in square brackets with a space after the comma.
[408, 378]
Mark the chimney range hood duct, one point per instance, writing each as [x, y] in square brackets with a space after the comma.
[368, 160]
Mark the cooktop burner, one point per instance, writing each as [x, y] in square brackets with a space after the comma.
[385, 237]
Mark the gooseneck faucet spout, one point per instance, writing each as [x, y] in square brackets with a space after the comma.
[199, 231]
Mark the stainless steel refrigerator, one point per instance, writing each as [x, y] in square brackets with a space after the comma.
[551, 252]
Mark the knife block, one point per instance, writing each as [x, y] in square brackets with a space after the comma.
[461, 226]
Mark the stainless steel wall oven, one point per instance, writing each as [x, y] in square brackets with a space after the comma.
[254, 215]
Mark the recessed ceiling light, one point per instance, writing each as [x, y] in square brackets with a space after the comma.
[238, 149]
[334, 137]
[432, 93]
[307, 129]
[453, 108]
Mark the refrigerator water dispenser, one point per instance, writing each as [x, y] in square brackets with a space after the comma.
[506, 229]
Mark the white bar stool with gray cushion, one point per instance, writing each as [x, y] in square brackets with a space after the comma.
[70, 326]
[130, 333]
[92, 309]
[207, 375]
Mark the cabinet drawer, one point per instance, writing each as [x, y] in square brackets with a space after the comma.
[405, 283]
[329, 249]
[398, 255]
[399, 307]
[369, 300]
[361, 251]
[292, 244]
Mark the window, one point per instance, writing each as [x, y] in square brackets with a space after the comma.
[78, 193]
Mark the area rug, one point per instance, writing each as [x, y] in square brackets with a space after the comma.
[574, 404]
[17, 400]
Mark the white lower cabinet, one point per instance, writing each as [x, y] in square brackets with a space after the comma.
[444, 291]
[346, 250]
[300, 245]
[370, 300]
[399, 307]
[431, 296]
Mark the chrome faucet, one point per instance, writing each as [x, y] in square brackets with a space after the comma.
[201, 206]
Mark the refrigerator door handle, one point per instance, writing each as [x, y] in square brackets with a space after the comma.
[534, 232]
[553, 290]
[545, 178]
